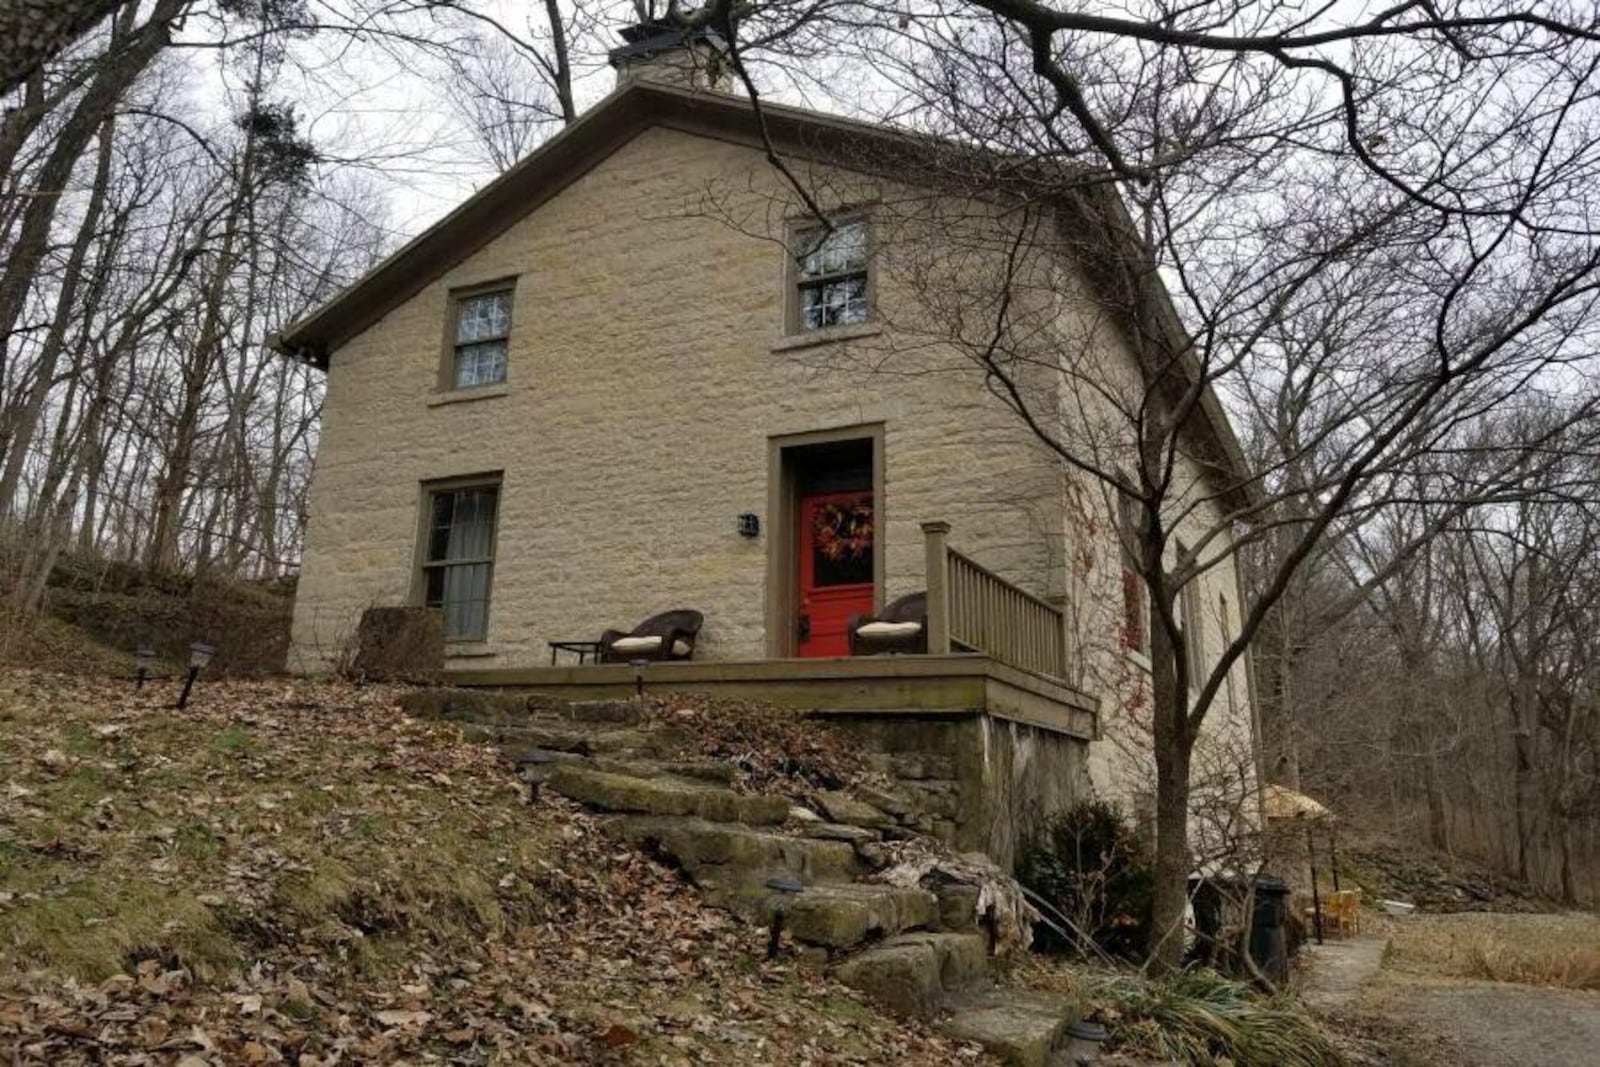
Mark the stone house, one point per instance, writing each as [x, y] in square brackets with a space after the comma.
[635, 373]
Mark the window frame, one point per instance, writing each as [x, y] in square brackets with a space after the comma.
[430, 490]
[1191, 616]
[1135, 641]
[450, 350]
[795, 280]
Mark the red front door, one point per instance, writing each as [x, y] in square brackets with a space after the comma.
[836, 539]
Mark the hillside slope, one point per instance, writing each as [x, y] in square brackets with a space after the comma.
[289, 872]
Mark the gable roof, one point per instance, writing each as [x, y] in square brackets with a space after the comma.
[640, 104]
[542, 174]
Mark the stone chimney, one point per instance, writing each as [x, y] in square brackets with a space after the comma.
[690, 59]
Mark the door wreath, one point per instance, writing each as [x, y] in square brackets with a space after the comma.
[843, 531]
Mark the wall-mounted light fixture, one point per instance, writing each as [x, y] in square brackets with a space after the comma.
[749, 524]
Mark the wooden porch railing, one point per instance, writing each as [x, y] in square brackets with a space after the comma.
[972, 608]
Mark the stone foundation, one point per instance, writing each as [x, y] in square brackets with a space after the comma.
[986, 784]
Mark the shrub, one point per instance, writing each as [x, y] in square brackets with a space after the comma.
[1199, 1017]
[1090, 866]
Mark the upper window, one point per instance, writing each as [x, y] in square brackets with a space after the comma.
[1191, 617]
[832, 276]
[459, 558]
[1135, 616]
[483, 328]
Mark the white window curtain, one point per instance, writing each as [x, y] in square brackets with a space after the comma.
[460, 557]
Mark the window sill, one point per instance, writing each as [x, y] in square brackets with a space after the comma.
[827, 335]
[468, 650]
[461, 396]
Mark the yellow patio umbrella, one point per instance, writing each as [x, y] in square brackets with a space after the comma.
[1281, 802]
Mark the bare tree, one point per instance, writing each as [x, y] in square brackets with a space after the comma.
[33, 31]
[1428, 175]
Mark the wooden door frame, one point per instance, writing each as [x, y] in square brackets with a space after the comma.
[783, 501]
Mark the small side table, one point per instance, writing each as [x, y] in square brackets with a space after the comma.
[583, 649]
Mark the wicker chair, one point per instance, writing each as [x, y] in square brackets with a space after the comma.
[900, 628]
[670, 635]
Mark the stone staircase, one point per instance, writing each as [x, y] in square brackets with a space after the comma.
[919, 952]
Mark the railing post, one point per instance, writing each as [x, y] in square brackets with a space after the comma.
[936, 539]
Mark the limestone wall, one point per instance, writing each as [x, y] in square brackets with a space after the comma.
[647, 371]
[988, 784]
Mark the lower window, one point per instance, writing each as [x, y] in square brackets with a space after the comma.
[459, 560]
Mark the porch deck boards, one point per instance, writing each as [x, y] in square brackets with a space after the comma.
[955, 684]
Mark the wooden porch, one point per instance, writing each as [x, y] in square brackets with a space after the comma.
[992, 648]
[951, 684]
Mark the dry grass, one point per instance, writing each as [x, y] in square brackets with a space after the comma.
[1196, 1017]
[1560, 950]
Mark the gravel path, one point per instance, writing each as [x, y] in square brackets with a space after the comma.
[1432, 1013]
[1499, 1025]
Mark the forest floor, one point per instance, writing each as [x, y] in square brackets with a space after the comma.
[1477, 989]
[296, 872]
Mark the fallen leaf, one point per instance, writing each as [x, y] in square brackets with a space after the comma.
[618, 1036]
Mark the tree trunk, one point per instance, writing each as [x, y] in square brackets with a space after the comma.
[23, 423]
[120, 67]
[33, 31]
[1174, 749]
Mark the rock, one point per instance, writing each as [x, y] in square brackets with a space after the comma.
[663, 796]
[462, 705]
[1022, 1029]
[803, 815]
[832, 831]
[613, 712]
[736, 860]
[843, 915]
[958, 907]
[885, 801]
[914, 974]
[845, 809]
[873, 854]
[902, 978]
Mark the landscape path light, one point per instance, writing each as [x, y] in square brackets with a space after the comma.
[143, 656]
[1083, 1043]
[200, 654]
[785, 888]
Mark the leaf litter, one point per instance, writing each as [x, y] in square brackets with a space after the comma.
[297, 872]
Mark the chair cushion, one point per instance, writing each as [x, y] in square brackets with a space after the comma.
[889, 629]
[647, 644]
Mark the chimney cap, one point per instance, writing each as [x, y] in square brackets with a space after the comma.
[654, 36]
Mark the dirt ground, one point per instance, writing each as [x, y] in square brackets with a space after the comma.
[1420, 992]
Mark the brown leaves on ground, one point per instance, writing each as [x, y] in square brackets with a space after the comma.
[771, 746]
[298, 873]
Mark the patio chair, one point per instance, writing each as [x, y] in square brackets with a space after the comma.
[900, 628]
[670, 635]
[1344, 908]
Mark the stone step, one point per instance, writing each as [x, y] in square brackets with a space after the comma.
[465, 705]
[846, 914]
[629, 795]
[1019, 1027]
[613, 712]
[732, 863]
[918, 974]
